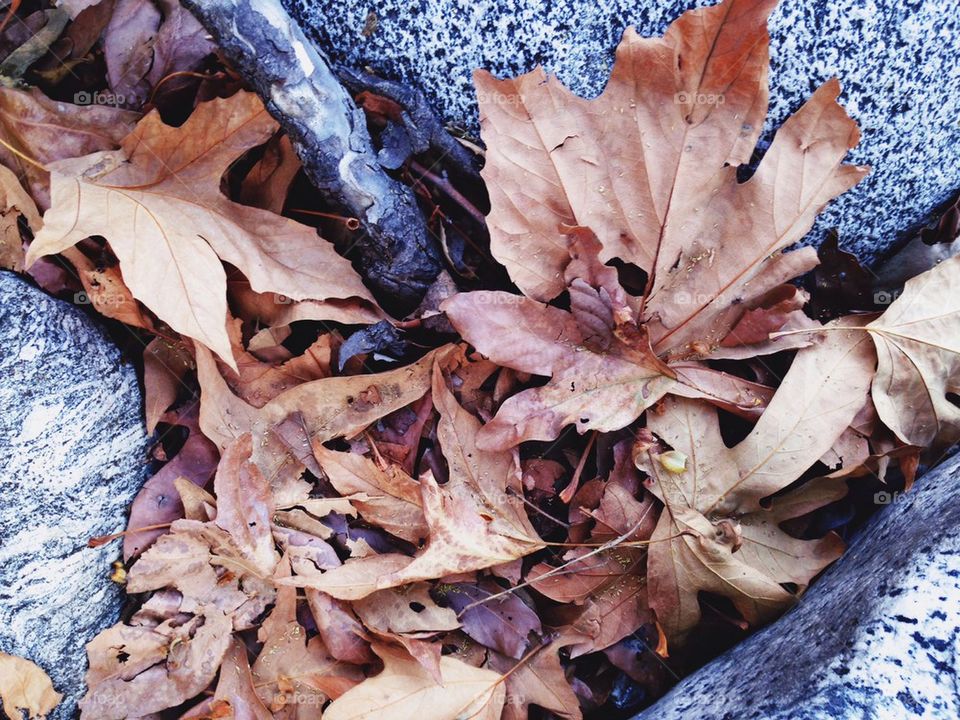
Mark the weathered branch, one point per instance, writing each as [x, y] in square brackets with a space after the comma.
[397, 255]
[424, 127]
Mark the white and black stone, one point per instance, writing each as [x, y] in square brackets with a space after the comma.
[878, 636]
[72, 458]
[897, 61]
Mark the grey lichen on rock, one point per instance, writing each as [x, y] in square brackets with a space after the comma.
[72, 458]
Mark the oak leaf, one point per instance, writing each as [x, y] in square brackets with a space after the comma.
[159, 204]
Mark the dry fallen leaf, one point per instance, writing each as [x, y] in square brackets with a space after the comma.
[47, 130]
[138, 670]
[14, 204]
[158, 202]
[713, 534]
[25, 687]
[918, 346]
[404, 689]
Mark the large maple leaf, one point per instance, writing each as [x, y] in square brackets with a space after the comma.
[158, 202]
[714, 534]
[650, 167]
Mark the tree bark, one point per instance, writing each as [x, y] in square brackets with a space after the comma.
[395, 252]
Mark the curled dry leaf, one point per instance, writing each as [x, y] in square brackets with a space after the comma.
[476, 519]
[538, 680]
[603, 372]
[25, 687]
[159, 204]
[165, 364]
[208, 568]
[405, 689]
[245, 505]
[235, 686]
[918, 346]
[394, 497]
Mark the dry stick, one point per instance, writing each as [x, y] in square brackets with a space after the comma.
[396, 254]
[450, 191]
[567, 493]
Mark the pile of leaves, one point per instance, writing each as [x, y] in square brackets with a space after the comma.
[571, 489]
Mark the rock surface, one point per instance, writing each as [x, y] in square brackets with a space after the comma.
[876, 637]
[72, 451]
[896, 59]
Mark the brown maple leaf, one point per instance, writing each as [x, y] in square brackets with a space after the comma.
[714, 535]
[159, 204]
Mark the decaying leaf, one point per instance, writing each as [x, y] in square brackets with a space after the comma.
[14, 204]
[46, 130]
[138, 670]
[25, 687]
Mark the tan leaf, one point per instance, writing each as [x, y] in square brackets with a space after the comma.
[394, 497]
[713, 534]
[268, 182]
[405, 610]
[405, 689]
[539, 680]
[48, 130]
[335, 407]
[14, 204]
[164, 365]
[476, 519]
[342, 633]
[208, 568]
[353, 580]
[245, 505]
[650, 166]
[24, 686]
[235, 685]
[105, 290]
[592, 388]
[223, 416]
[918, 346]
[159, 204]
[166, 665]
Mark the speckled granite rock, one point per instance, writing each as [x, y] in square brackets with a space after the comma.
[897, 60]
[876, 637]
[72, 449]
